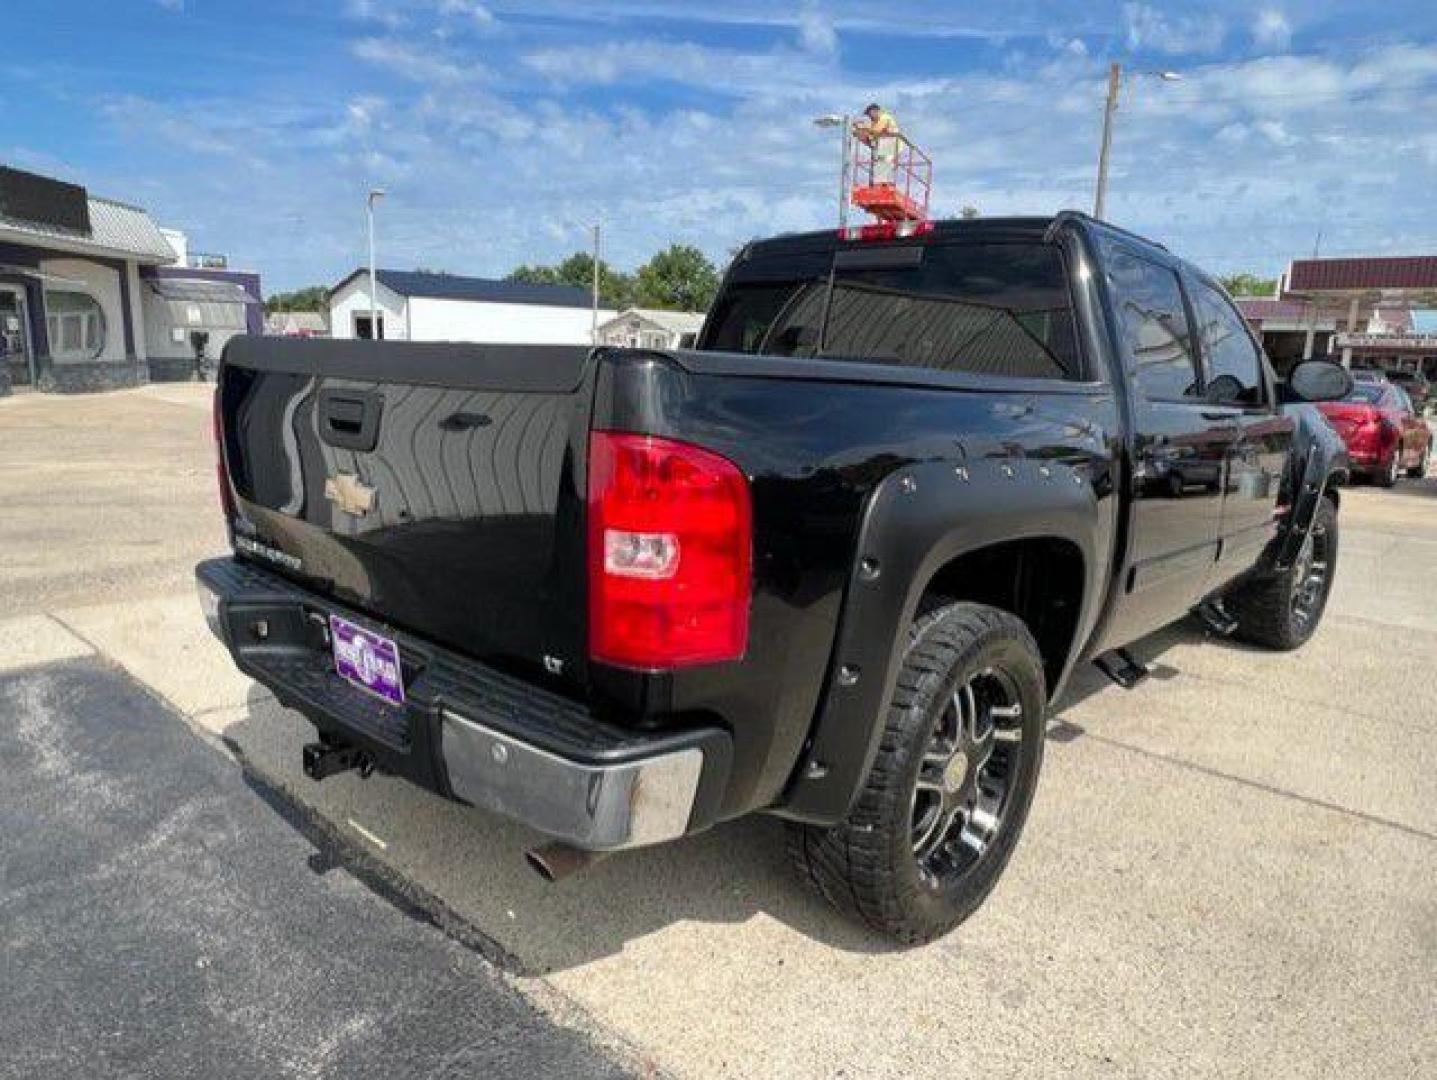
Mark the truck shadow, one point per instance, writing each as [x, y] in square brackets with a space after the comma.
[464, 870]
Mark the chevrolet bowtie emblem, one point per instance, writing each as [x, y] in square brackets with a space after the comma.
[351, 494]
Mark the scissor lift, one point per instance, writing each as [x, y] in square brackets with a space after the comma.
[892, 179]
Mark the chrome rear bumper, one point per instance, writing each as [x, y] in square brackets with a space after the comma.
[598, 807]
[470, 732]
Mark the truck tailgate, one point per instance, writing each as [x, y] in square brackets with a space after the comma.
[437, 487]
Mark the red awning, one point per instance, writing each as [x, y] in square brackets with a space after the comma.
[1353, 275]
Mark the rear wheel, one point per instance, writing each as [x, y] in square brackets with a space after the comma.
[1387, 477]
[947, 795]
[1418, 471]
[1283, 610]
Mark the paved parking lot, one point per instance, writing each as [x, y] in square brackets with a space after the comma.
[1227, 871]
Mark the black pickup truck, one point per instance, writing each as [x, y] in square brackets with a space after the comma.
[833, 564]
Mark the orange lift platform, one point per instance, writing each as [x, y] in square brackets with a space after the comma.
[891, 179]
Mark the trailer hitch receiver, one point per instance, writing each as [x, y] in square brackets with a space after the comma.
[326, 759]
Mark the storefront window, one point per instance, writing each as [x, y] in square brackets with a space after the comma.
[77, 326]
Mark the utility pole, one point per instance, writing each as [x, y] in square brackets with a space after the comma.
[374, 195]
[594, 322]
[1115, 82]
[1110, 109]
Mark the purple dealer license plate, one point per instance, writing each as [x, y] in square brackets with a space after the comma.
[367, 660]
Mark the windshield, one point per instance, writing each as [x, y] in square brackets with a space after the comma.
[999, 309]
[1368, 392]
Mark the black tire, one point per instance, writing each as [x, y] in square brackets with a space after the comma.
[867, 867]
[1270, 611]
[1387, 477]
[1418, 471]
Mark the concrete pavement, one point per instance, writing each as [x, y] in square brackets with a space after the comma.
[1227, 871]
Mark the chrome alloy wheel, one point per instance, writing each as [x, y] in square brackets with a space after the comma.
[965, 777]
[1309, 577]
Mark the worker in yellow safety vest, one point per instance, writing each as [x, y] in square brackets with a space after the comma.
[878, 128]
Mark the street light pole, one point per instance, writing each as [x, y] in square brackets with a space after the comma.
[1110, 109]
[594, 321]
[843, 122]
[1115, 80]
[375, 194]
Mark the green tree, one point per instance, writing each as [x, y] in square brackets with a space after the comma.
[312, 298]
[616, 289]
[679, 278]
[1248, 285]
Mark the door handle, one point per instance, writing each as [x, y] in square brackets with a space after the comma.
[1221, 417]
[349, 419]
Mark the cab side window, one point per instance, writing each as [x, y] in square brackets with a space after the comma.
[1234, 367]
[1157, 342]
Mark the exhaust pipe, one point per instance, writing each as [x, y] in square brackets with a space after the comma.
[556, 860]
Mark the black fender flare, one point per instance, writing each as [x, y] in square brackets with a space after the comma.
[1318, 464]
[917, 520]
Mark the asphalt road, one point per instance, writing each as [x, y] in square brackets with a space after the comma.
[1227, 872]
[166, 917]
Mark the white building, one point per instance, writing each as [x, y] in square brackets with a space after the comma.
[651, 328]
[418, 306]
[296, 324]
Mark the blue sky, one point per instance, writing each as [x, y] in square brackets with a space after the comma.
[500, 129]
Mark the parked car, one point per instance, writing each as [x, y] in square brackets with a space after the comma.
[832, 565]
[1384, 435]
[1416, 385]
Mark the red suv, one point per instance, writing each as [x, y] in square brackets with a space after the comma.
[1384, 435]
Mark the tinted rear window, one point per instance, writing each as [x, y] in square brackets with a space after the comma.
[996, 309]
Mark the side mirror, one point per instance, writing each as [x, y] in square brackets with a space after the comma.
[1319, 380]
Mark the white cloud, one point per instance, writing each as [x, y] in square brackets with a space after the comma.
[185, 129]
[469, 9]
[646, 60]
[1235, 165]
[384, 12]
[416, 64]
[171, 5]
[816, 31]
[1272, 30]
[1275, 131]
[1151, 29]
[904, 18]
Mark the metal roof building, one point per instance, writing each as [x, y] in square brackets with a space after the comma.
[1352, 309]
[416, 305]
[88, 292]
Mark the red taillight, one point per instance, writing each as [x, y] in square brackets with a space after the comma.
[222, 473]
[670, 563]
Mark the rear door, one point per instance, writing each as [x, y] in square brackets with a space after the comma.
[1235, 381]
[1180, 446]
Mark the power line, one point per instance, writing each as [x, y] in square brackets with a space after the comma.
[1316, 95]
